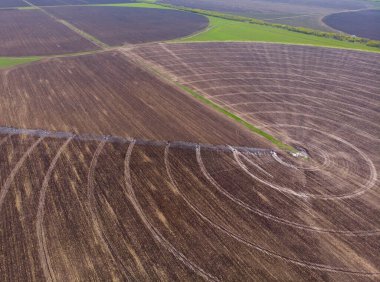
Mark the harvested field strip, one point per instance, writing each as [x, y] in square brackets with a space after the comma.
[313, 82]
[242, 63]
[212, 84]
[240, 48]
[221, 100]
[290, 74]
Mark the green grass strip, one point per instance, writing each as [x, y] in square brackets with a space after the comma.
[147, 1]
[228, 27]
[27, 8]
[132, 5]
[6, 62]
[230, 30]
[243, 122]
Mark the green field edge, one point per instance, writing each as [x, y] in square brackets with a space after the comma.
[247, 25]
[177, 41]
[280, 145]
[8, 62]
[210, 104]
[230, 28]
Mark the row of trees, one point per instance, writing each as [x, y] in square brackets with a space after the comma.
[332, 35]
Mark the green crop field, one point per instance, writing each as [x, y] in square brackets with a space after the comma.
[6, 62]
[229, 30]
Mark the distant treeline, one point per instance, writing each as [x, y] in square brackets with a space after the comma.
[332, 35]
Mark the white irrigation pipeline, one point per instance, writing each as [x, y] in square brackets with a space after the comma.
[118, 139]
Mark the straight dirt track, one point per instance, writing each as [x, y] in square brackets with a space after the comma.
[118, 25]
[32, 33]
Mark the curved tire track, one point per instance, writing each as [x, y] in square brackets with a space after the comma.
[272, 217]
[42, 246]
[13, 173]
[94, 213]
[303, 263]
[155, 233]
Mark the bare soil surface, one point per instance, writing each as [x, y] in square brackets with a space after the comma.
[306, 13]
[57, 2]
[74, 209]
[322, 101]
[364, 23]
[76, 2]
[107, 94]
[12, 3]
[117, 25]
[97, 183]
[32, 33]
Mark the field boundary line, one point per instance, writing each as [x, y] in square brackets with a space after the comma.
[72, 27]
[272, 42]
[164, 76]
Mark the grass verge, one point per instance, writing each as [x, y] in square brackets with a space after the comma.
[243, 122]
[229, 30]
[6, 62]
[149, 67]
[133, 5]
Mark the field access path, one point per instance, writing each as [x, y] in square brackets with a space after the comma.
[83, 34]
[88, 28]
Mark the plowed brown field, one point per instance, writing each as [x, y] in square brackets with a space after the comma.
[57, 2]
[122, 176]
[12, 3]
[117, 25]
[106, 94]
[322, 101]
[73, 208]
[31, 32]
